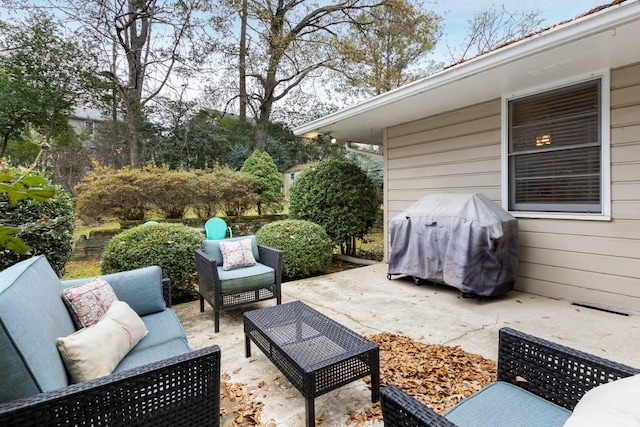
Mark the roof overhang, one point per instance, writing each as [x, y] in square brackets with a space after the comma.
[601, 40]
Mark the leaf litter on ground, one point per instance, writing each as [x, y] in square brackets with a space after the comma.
[437, 375]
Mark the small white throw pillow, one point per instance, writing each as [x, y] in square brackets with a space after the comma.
[95, 351]
[610, 404]
[237, 254]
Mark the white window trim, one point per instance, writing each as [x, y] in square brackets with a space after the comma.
[604, 76]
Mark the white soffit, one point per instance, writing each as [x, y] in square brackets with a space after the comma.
[605, 39]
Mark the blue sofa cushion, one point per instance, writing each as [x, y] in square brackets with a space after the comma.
[246, 278]
[212, 247]
[32, 317]
[502, 404]
[141, 356]
[163, 327]
[140, 288]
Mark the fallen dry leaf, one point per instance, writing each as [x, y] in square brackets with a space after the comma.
[437, 375]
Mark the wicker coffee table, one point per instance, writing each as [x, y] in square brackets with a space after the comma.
[314, 352]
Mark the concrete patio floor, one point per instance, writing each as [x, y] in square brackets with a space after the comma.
[365, 301]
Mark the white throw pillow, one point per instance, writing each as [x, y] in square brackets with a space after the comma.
[610, 404]
[237, 254]
[95, 351]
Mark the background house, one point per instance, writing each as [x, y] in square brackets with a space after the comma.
[84, 119]
[289, 175]
[549, 128]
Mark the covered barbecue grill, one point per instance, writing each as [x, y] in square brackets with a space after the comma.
[462, 240]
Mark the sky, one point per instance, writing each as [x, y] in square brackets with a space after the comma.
[457, 12]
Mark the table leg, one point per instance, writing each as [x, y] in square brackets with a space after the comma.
[310, 411]
[375, 374]
[247, 346]
[375, 385]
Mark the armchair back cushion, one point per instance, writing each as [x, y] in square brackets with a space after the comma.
[31, 312]
[140, 288]
[212, 248]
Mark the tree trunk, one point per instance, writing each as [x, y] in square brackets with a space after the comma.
[266, 107]
[133, 115]
[5, 142]
[242, 63]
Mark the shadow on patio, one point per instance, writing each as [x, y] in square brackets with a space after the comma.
[365, 301]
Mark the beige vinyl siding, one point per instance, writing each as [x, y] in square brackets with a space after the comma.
[593, 262]
[458, 151]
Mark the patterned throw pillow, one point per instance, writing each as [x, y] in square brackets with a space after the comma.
[88, 302]
[237, 254]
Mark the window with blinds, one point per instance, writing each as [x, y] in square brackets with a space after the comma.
[555, 147]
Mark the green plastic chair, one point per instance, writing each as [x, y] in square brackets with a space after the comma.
[216, 228]
[151, 223]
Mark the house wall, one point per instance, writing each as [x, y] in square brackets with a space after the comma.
[593, 262]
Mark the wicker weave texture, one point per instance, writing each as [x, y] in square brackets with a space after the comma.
[166, 291]
[401, 410]
[314, 352]
[552, 371]
[180, 391]
[210, 286]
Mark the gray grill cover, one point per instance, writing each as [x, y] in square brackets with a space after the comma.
[462, 240]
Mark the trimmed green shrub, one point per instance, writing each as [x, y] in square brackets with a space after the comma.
[338, 195]
[237, 190]
[169, 191]
[268, 181]
[170, 246]
[132, 193]
[46, 226]
[306, 247]
[108, 193]
[207, 194]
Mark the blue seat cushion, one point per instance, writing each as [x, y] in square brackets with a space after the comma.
[142, 356]
[163, 327]
[246, 278]
[502, 404]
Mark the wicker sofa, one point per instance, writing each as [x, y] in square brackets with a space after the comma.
[161, 381]
[539, 383]
[226, 289]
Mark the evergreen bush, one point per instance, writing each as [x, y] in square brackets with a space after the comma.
[237, 190]
[338, 195]
[207, 194]
[268, 181]
[171, 192]
[46, 226]
[306, 247]
[110, 193]
[170, 246]
[133, 193]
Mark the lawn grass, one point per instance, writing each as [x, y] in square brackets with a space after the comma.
[81, 268]
[82, 228]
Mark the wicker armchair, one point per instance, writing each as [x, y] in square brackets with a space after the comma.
[556, 373]
[221, 296]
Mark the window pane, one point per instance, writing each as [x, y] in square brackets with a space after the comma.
[574, 100]
[555, 150]
[560, 133]
[559, 177]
